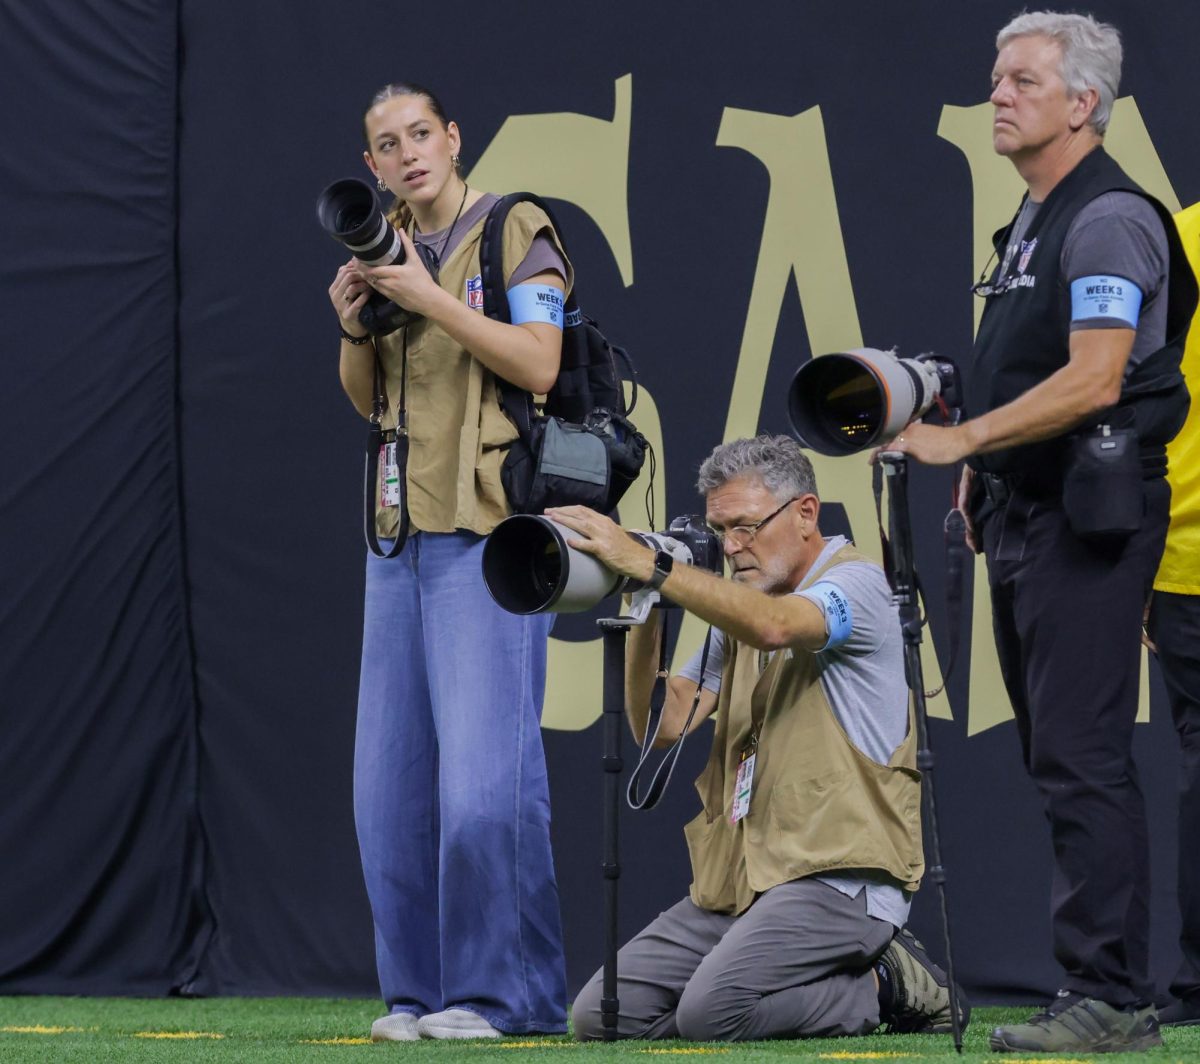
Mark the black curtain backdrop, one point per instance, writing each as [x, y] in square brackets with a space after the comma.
[180, 557]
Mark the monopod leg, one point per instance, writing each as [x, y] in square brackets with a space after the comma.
[614, 703]
[904, 585]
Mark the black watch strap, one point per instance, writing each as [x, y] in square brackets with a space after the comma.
[662, 569]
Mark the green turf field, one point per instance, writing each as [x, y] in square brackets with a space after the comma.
[321, 1029]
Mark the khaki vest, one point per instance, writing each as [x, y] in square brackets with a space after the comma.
[458, 433]
[818, 803]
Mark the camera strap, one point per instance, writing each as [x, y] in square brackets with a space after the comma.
[662, 774]
[376, 442]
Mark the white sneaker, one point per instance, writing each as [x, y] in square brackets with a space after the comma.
[455, 1023]
[395, 1027]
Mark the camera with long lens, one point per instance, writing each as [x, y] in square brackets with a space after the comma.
[349, 211]
[529, 567]
[851, 400]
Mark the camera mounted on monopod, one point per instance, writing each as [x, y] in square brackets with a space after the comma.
[529, 567]
[349, 211]
[851, 400]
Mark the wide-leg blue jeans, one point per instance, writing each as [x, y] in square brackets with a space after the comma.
[450, 792]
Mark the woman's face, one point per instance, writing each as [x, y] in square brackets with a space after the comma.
[410, 148]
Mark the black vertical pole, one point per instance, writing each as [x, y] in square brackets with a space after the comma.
[904, 591]
[614, 630]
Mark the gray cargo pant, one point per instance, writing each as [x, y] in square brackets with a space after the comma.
[796, 964]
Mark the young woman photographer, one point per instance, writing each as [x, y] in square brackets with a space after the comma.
[450, 789]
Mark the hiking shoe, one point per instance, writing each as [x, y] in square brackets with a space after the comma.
[1184, 1013]
[395, 1027]
[920, 990]
[455, 1023]
[1077, 1024]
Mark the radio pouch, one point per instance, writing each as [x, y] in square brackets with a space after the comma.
[560, 463]
[1102, 485]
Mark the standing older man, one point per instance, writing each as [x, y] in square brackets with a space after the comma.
[808, 847]
[1074, 392]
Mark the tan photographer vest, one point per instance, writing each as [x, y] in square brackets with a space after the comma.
[458, 433]
[818, 803]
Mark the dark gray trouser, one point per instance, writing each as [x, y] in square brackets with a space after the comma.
[1175, 629]
[796, 964]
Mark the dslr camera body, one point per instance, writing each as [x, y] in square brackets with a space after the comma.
[349, 211]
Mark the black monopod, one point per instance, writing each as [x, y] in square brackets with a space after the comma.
[614, 631]
[903, 578]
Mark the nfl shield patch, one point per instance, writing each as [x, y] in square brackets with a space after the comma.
[475, 292]
[1027, 247]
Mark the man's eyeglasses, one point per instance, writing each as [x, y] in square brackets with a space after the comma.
[742, 535]
[985, 289]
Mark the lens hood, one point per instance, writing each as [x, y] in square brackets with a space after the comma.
[528, 567]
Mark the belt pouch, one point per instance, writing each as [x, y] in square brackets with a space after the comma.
[1102, 487]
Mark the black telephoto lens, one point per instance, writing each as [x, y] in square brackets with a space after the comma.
[348, 211]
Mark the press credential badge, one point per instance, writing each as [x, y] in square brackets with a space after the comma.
[743, 785]
[390, 473]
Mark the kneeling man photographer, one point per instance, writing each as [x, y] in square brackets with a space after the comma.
[808, 849]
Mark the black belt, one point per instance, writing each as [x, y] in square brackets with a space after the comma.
[998, 487]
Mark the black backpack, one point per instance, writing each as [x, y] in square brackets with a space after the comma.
[580, 448]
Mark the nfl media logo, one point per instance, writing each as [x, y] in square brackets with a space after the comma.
[475, 292]
[1027, 247]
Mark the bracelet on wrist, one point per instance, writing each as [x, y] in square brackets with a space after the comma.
[357, 341]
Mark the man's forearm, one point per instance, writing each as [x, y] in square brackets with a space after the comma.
[1089, 383]
[1060, 403]
[766, 622]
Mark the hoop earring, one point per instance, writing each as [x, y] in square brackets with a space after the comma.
[382, 184]
[454, 161]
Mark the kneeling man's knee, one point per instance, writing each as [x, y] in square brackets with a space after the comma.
[585, 1013]
[701, 1017]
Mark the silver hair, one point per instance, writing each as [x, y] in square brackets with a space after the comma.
[1091, 54]
[777, 461]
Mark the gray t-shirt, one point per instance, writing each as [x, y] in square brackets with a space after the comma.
[1116, 235]
[863, 679]
[542, 254]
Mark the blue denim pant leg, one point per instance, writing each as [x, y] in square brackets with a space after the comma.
[480, 682]
[395, 783]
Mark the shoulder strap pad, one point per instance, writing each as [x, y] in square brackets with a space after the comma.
[517, 402]
[491, 255]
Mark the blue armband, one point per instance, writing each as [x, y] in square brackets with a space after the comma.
[839, 621]
[1105, 297]
[535, 302]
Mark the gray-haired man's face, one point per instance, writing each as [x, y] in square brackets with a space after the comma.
[766, 557]
[1033, 108]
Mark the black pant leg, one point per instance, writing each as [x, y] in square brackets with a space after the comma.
[1076, 613]
[1175, 629]
[1004, 626]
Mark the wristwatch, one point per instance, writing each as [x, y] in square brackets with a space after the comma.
[662, 569]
